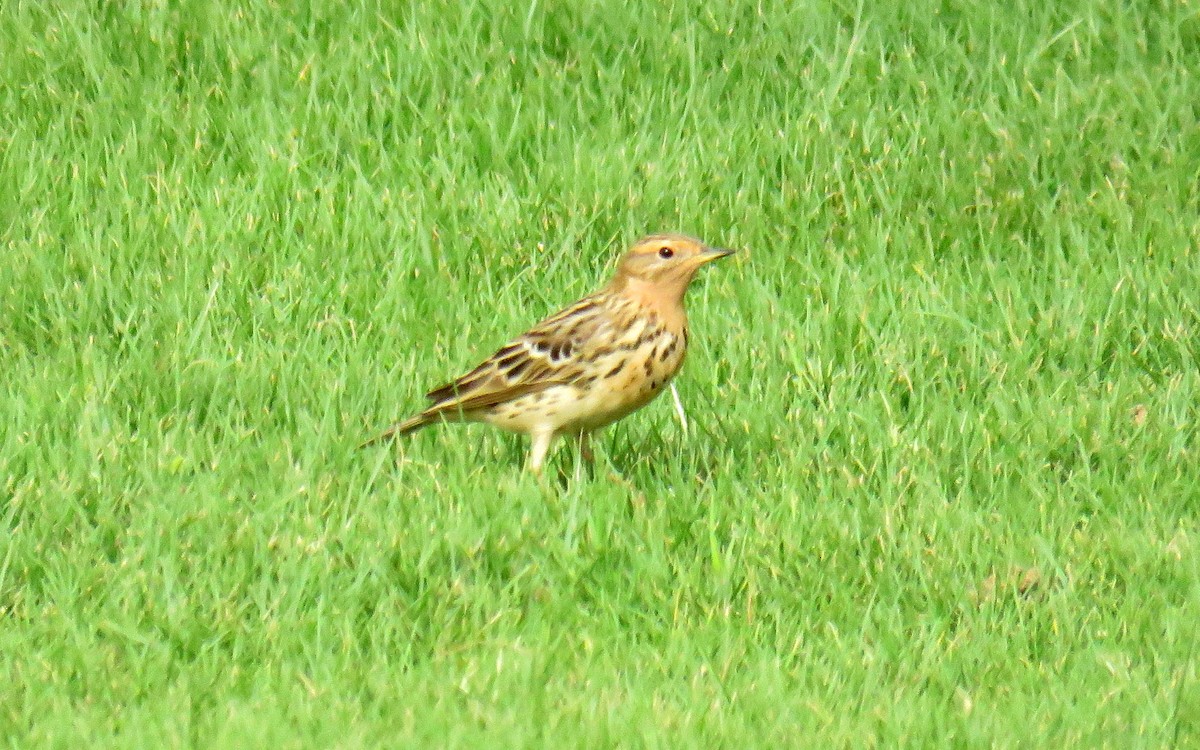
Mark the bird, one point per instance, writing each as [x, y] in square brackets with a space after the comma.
[587, 366]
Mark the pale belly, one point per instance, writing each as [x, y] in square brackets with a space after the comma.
[589, 404]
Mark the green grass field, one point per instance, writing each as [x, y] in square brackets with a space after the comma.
[941, 485]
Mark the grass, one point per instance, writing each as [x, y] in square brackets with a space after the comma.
[941, 483]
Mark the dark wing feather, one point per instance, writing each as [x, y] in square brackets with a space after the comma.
[546, 355]
[559, 350]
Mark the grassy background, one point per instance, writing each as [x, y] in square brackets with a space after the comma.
[942, 482]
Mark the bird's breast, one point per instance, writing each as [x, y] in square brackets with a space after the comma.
[612, 379]
[627, 379]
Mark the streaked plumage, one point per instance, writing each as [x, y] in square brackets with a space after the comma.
[589, 365]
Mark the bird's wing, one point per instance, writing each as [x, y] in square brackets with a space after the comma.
[551, 353]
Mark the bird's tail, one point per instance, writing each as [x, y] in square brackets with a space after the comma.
[412, 424]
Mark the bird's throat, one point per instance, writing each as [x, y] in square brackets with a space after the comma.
[663, 297]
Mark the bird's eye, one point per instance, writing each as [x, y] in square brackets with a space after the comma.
[665, 252]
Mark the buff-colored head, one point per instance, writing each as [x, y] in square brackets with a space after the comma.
[665, 261]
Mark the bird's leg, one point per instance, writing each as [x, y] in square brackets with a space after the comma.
[679, 412]
[583, 441]
[537, 451]
[585, 447]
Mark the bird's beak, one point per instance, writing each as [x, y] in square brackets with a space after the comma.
[710, 254]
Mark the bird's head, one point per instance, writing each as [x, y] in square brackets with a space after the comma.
[665, 261]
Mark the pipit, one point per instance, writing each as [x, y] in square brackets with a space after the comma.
[596, 361]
